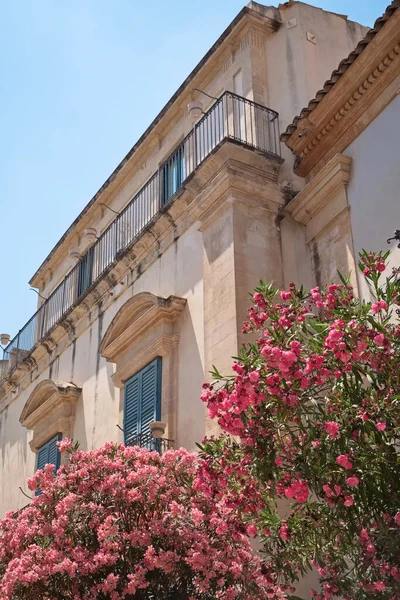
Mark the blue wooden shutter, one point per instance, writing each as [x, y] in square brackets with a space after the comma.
[142, 402]
[53, 456]
[41, 457]
[85, 272]
[131, 408]
[172, 174]
[151, 395]
[49, 454]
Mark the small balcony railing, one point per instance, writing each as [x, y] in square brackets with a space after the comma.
[149, 442]
[231, 117]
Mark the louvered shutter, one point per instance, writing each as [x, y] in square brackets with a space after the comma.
[41, 457]
[53, 456]
[131, 408]
[48, 454]
[142, 401]
[151, 392]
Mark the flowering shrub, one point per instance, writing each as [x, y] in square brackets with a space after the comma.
[122, 523]
[313, 466]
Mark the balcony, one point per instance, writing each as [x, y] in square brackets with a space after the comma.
[232, 118]
[149, 442]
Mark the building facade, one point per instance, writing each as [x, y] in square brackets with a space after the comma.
[148, 288]
[346, 146]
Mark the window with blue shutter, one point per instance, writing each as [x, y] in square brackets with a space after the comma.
[172, 175]
[49, 454]
[142, 402]
[85, 272]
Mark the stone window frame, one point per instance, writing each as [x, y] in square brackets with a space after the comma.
[146, 327]
[49, 410]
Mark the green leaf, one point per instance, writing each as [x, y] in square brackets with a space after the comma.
[345, 281]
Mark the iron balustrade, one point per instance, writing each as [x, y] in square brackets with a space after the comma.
[149, 442]
[231, 117]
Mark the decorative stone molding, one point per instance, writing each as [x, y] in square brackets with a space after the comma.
[352, 102]
[50, 409]
[137, 316]
[132, 361]
[49, 344]
[315, 198]
[322, 208]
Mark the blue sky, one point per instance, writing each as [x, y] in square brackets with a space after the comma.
[80, 82]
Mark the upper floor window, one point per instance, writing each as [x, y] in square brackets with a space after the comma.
[142, 403]
[172, 174]
[85, 272]
[146, 327]
[49, 453]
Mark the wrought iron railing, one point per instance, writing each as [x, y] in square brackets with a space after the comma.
[231, 117]
[149, 442]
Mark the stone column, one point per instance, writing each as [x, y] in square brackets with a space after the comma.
[241, 246]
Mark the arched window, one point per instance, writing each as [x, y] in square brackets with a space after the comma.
[142, 341]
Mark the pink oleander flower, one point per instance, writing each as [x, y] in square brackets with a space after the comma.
[379, 306]
[64, 444]
[252, 530]
[328, 382]
[298, 490]
[332, 429]
[379, 586]
[254, 376]
[348, 500]
[344, 461]
[379, 339]
[352, 481]
[114, 515]
[284, 532]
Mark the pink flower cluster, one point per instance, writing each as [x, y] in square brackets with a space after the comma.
[372, 263]
[121, 520]
[314, 409]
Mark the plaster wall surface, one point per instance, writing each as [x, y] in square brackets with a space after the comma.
[374, 187]
[300, 58]
[100, 407]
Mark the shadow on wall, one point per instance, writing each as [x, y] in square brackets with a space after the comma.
[16, 436]
[190, 410]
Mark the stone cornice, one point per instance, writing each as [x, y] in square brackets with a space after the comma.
[161, 346]
[61, 425]
[336, 120]
[50, 409]
[318, 192]
[47, 396]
